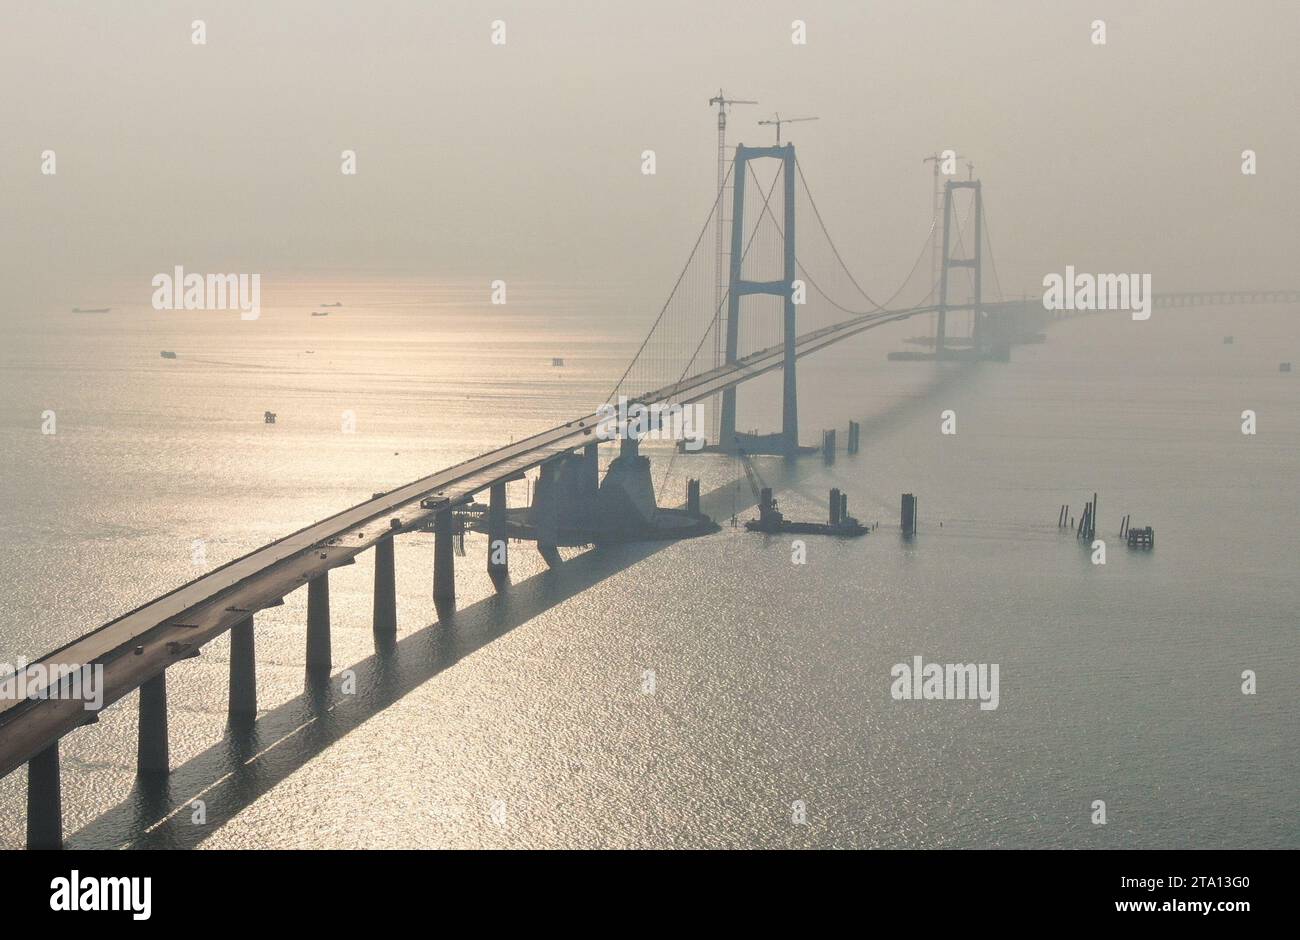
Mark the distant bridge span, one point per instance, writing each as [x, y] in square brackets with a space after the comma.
[1206, 298]
[1225, 298]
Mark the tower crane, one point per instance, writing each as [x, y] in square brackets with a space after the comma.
[777, 121]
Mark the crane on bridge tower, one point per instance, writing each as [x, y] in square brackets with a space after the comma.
[720, 265]
[777, 121]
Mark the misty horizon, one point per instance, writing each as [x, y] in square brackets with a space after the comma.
[226, 156]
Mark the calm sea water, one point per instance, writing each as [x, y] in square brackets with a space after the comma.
[1119, 682]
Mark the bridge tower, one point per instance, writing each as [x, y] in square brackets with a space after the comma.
[738, 287]
[974, 262]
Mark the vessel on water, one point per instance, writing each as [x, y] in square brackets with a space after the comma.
[771, 521]
[92, 310]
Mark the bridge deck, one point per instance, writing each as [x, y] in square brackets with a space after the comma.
[141, 643]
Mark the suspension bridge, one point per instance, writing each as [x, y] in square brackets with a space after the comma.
[784, 299]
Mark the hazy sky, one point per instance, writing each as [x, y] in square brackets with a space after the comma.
[523, 160]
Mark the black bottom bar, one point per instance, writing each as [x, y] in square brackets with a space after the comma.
[929, 890]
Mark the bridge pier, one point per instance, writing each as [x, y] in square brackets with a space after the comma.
[498, 544]
[385, 607]
[974, 263]
[44, 800]
[739, 287]
[590, 485]
[907, 522]
[693, 497]
[151, 752]
[318, 627]
[545, 510]
[444, 565]
[243, 673]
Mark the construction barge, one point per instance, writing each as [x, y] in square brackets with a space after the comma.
[771, 521]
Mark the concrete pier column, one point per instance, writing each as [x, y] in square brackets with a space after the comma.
[498, 561]
[385, 611]
[590, 471]
[444, 564]
[318, 626]
[243, 672]
[44, 800]
[151, 754]
[544, 514]
[908, 521]
[589, 484]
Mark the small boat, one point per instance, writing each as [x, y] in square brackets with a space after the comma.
[269, 417]
[168, 354]
[335, 304]
[557, 362]
[1284, 367]
[316, 313]
[92, 310]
